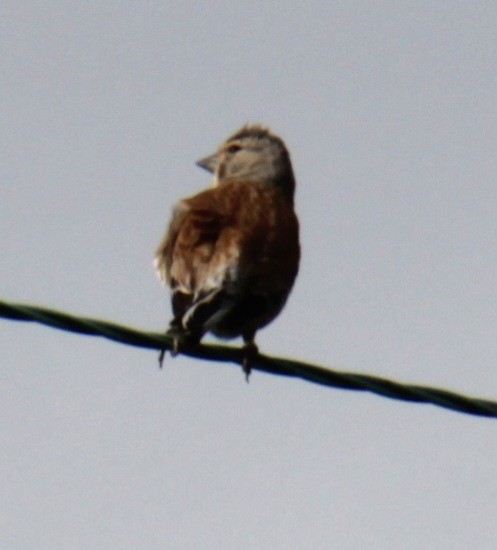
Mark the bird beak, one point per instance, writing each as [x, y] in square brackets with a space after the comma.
[208, 163]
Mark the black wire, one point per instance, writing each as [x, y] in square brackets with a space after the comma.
[264, 363]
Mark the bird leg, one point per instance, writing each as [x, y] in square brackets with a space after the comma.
[176, 331]
[250, 351]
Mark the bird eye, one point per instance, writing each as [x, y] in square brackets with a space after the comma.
[233, 148]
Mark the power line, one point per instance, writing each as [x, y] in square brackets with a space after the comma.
[264, 363]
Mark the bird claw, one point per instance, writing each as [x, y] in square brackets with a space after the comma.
[250, 351]
[162, 355]
[173, 352]
[181, 337]
[176, 335]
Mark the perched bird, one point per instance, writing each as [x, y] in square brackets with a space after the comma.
[231, 253]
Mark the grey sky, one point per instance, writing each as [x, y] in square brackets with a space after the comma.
[390, 112]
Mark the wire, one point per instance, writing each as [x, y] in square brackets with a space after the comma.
[264, 363]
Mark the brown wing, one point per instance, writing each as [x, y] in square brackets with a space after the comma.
[164, 253]
[240, 238]
[183, 258]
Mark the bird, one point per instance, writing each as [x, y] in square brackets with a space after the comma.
[231, 253]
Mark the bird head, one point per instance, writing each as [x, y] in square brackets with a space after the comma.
[253, 154]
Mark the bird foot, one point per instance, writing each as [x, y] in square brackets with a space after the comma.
[181, 338]
[176, 333]
[250, 351]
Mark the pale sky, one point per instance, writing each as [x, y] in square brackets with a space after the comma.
[389, 110]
